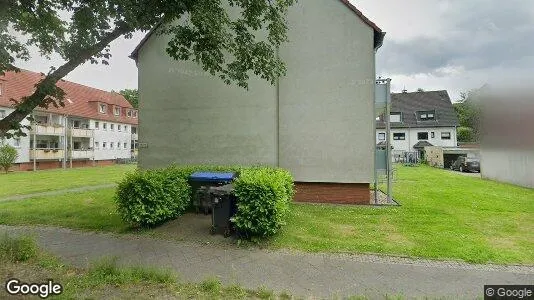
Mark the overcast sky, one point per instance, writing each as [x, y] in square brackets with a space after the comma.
[456, 45]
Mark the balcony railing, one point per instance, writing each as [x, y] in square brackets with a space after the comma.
[81, 154]
[46, 154]
[46, 129]
[79, 132]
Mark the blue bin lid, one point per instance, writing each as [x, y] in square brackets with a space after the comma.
[212, 176]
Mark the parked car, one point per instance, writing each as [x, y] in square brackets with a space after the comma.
[466, 164]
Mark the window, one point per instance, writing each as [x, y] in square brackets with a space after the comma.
[134, 114]
[399, 136]
[16, 142]
[118, 145]
[119, 127]
[125, 145]
[111, 126]
[426, 115]
[445, 135]
[105, 126]
[97, 145]
[2, 113]
[125, 128]
[103, 145]
[97, 125]
[432, 135]
[129, 113]
[422, 135]
[117, 111]
[134, 130]
[76, 124]
[381, 136]
[110, 145]
[102, 108]
[395, 117]
[0, 89]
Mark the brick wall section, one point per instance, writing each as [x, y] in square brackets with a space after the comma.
[338, 193]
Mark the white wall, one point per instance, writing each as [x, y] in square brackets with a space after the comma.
[506, 165]
[411, 137]
[111, 136]
[24, 147]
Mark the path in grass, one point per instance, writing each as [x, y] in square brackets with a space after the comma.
[21, 183]
[57, 192]
[301, 274]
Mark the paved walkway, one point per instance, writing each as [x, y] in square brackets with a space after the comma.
[301, 274]
[57, 192]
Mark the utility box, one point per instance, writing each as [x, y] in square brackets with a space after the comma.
[201, 182]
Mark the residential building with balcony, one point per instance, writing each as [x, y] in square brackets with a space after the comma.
[94, 127]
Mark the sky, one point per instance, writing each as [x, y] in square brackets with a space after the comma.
[453, 45]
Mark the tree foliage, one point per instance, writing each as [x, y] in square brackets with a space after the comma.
[132, 95]
[469, 114]
[8, 155]
[220, 35]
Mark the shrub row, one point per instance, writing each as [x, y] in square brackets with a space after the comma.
[151, 197]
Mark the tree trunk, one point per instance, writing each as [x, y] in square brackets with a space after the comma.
[24, 108]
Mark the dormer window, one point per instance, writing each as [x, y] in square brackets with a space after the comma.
[395, 117]
[429, 115]
[129, 113]
[117, 111]
[102, 108]
[1, 89]
[134, 113]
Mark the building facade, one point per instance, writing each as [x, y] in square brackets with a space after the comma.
[317, 121]
[419, 120]
[94, 127]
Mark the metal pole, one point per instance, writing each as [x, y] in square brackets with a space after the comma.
[34, 144]
[65, 141]
[388, 139]
[71, 145]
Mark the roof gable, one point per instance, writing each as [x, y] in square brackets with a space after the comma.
[408, 104]
[378, 33]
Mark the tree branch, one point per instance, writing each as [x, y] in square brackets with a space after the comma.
[29, 103]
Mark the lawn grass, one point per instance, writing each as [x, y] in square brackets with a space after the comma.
[89, 210]
[444, 215]
[104, 279]
[19, 183]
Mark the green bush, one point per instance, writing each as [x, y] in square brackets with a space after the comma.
[148, 198]
[263, 198]
[8, 155]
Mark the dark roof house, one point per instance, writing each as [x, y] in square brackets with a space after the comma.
[421, 109]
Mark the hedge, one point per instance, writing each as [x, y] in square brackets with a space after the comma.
[263, 198]
[149, 198]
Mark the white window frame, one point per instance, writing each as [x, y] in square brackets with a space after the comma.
[399, 139]
[125, 146]
[2, 114]
[422, 139]
[104, 145]
[119, 127]
[97, 125]
[381, 136]
[448, 138]
[117, 110]
[102, 108]
[395, 114]
[105, 126]
[129, 113]
[97, 145]
[16, 142]
[111, 126]
[134, 114]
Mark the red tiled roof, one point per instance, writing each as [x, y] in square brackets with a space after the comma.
[80, 100]
[379, 34]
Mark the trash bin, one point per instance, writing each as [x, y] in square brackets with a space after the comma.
[201, 182]
[223, 203]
